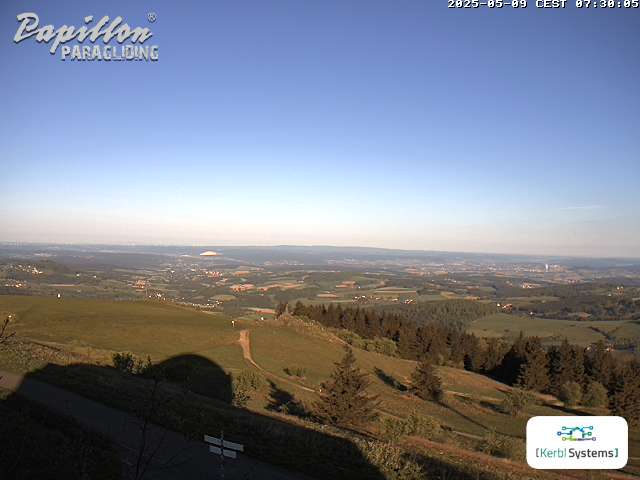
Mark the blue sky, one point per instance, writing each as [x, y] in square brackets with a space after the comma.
[399, 124]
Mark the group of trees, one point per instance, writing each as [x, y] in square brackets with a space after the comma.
[439, 337]
[573, 373]
[592, 376]
[344, 398]
[449, 311]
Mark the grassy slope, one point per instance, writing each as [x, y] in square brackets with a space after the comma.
[144, 328]
[162, 331]
[275, 348]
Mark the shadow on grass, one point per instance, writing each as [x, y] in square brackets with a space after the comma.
[174, 404]
[196, 374]
[466, 417]
[284, 402]
[568, 410]
[495, 407]
[390, 380]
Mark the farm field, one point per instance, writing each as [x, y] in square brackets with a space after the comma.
[552, 331]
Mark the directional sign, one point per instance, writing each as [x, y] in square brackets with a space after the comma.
[229, 453]
[224, 443]
[223, 448]
[213, 440]
[233, 446]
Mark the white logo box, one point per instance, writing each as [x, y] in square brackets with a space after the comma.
[582, 442]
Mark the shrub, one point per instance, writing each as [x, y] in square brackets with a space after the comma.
[514, 449]
[515, 401]
[239, 395]
[393, 429]
[390, 460]
[124, 362]
[351, 338]
[500, 446]
[146, 368]
[296, 371]
[295, 407]
[253, 380]
[570, 393]
[127, 362]
[595, 395]
[491, 443]
[384, 346]
[423, 426]
[243, 385]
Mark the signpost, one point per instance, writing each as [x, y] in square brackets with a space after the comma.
[223, 448]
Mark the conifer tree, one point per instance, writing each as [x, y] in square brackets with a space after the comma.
[533, 374]
[470, 352]
[299, 309]
[598, 363]
[425, 382]
[343, 399]
[407, 346]
[595, 395]
[511, 363]
[625, 395]
[570, 393]
[566, 364]
[493, 355]
[281, 308]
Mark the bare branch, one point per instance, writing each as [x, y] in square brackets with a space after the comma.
[4, 335]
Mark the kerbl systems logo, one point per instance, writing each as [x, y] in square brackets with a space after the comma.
[105, 30]
[577, 434]
[552, 444]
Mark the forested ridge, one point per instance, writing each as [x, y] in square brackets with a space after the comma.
[437, 334]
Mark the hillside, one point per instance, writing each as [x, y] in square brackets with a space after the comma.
[294, 357]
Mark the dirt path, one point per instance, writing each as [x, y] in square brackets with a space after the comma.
[245, 344]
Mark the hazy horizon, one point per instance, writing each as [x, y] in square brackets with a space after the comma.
[406, 126]
[311, 246]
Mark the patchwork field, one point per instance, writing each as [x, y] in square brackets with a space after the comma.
[582, 332]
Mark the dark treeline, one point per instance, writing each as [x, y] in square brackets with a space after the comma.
[441, 338]
[436, 334]
[442, 311]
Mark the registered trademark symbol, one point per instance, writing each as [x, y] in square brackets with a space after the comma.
[152, 17]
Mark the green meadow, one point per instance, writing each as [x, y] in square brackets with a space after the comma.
[143, 328]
